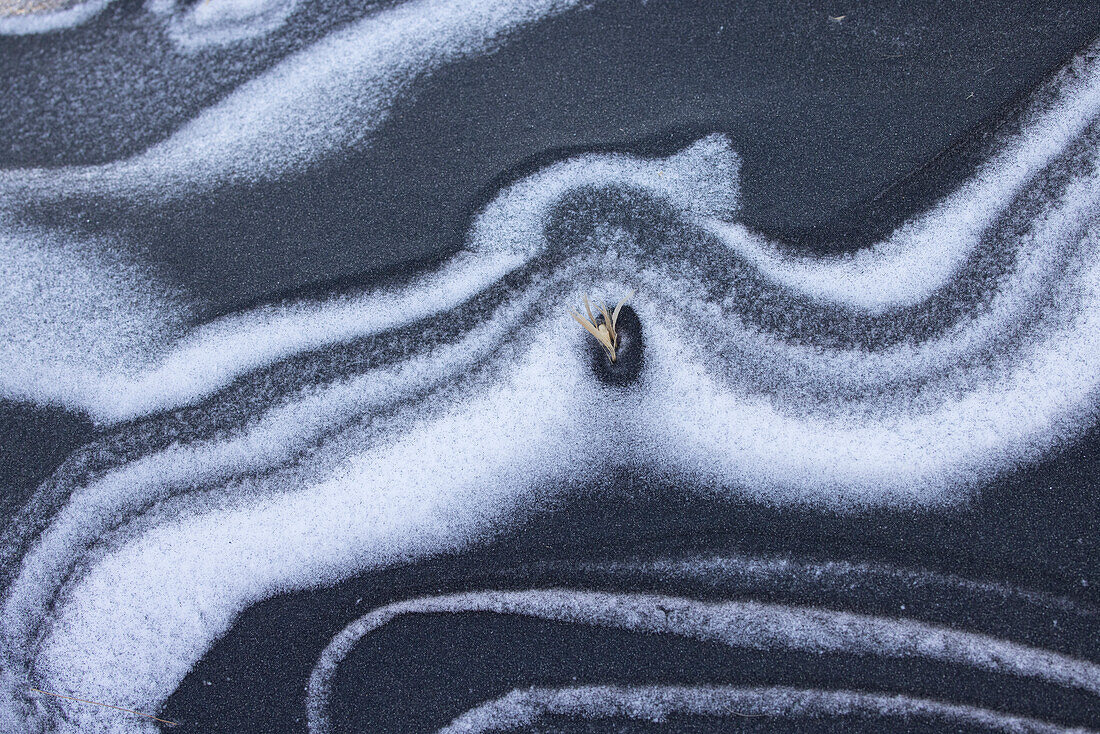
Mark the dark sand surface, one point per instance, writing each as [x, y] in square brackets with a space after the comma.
[846, 128]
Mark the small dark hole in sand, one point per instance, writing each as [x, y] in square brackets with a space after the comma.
[630, 353]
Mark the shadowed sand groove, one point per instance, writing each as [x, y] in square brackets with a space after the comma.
[300, 444]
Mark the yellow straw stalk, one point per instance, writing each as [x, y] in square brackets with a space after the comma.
[604, 332]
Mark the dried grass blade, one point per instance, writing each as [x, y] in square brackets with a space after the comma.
[589, 326]
[615, 316]
[589, 310]
[607, 321]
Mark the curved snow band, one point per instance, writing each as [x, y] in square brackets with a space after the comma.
[314, 441]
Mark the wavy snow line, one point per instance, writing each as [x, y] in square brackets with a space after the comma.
[740, 624]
